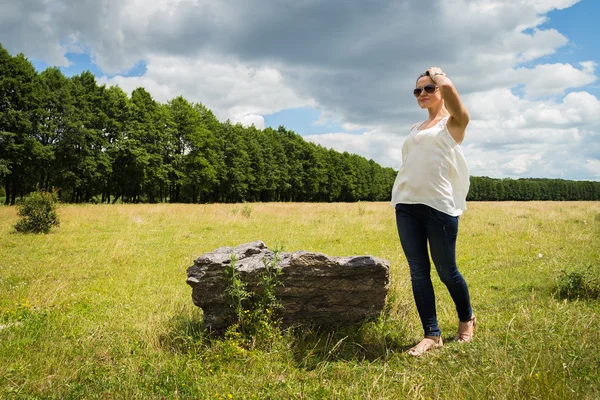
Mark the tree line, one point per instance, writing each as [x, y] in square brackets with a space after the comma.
[96, 144]
[490, 189]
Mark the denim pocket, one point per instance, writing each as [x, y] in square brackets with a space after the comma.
[443, 218]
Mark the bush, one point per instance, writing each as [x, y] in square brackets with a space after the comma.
[246, 211]
[38, 212]
[580, 284]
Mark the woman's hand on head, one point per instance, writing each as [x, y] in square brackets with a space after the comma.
[434, 73]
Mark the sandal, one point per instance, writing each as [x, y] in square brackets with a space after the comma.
[465, 330]
[428, 343]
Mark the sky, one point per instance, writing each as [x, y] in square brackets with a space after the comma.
[341, 72]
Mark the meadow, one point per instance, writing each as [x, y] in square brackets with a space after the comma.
[99, 308]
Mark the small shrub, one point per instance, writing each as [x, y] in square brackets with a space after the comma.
[246, 211]
[38, 212]
[580, 284]
[361, 208]
[257, 324]
[236, 289]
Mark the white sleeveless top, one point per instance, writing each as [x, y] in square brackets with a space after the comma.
[434, 171]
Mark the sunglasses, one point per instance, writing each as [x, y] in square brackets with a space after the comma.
[428, 89]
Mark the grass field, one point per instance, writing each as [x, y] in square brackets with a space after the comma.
[99, 308]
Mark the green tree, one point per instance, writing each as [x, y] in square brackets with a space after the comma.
[234, 186]
[195, 151]
[50, 121]
[81, 154]
[116, 110]
[257, 175]
[146, 155]
[18, 150]
[276, 165]
[213, 142]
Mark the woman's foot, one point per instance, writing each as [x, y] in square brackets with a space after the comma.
[428, 343]
[465, 330]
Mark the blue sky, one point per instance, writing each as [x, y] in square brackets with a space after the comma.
[340, 73]
[579, 23]
[79, 62]
[303, 120]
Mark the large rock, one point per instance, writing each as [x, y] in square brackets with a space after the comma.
[316, 289]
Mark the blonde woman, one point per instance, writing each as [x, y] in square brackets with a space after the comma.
[429, 195]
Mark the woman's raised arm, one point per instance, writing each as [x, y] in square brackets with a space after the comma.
[459, 116]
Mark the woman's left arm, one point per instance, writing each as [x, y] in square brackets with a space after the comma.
[459, 116]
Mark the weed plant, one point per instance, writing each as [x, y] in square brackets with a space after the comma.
[246, 211]
[580, 283]
[256, 324]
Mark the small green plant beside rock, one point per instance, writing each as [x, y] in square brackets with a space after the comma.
[38, 212]
[256, 324]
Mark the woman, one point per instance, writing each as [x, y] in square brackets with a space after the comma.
[429, 195]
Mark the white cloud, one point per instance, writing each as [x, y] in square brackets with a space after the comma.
[522, 163]
[232, 90]
[251, 119]
[510, 136]
[385, 148]
[540, 43]
[543, 6]
[593, 166]
[552, 79]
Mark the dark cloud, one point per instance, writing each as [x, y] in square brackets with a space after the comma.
[25, 28]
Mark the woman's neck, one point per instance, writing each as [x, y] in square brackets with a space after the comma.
[437, 112]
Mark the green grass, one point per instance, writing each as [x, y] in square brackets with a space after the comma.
[99, 308]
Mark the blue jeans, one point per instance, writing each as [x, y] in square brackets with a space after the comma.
[418, 224]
